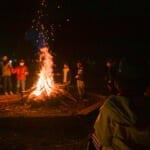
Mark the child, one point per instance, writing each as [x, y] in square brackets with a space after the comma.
[21, 72]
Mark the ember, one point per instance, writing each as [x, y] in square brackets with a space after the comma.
[45, 85]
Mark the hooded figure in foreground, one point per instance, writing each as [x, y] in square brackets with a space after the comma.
[124, 120]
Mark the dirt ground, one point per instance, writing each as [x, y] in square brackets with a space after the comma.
[69, 133]
[61, 124]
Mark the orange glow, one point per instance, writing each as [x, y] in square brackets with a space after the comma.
[58, 6]
[45, 84]
[68, 20]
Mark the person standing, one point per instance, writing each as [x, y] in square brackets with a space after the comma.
[80, 80]
[109, 78]
[21, 72]
[66, 79]
[6, 67]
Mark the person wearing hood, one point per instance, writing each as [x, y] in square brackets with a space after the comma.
[6, 67]
[123, 122]
[21, 72]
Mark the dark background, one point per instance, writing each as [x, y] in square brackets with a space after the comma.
[97, 30]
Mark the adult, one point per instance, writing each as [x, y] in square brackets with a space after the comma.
[123, 122]
[111, 69]
[6, 67]
[66, 78]
[80, 80]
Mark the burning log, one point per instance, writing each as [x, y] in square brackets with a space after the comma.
[10, 98]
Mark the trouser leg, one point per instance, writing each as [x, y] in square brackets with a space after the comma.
[9, 83]
[23, 82]
[81, 88]
[18, 86]
[66, 86]
[78, 87]
[5, 84]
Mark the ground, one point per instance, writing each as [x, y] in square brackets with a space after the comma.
[60, 124]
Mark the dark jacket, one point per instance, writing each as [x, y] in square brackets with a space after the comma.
[6, 68]
[80, 73]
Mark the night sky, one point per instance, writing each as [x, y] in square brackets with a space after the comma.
[96, 29]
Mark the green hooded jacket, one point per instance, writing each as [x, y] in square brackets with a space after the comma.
[124, 124]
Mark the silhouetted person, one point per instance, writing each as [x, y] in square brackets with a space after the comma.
[124, 120]
[111, 69]
[80, 80]
[6, 67]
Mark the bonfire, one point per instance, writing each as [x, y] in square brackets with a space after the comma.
[45, 87]
[45, 84]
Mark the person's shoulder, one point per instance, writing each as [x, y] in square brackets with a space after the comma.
[116, 101]
[25, 67]
[111, 98]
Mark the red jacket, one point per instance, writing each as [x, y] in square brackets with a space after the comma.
[21, 72]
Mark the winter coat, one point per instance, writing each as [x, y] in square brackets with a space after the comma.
[20, 72]
[6, 69]
[123, 124]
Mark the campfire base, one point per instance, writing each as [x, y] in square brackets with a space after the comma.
[60, 106]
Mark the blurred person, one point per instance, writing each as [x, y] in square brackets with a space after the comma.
[6, 67]
[66, 78]
[111, 69]
[123, 122]
[80, 80]
[21, 72]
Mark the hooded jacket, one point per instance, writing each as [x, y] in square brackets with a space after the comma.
[124, 123]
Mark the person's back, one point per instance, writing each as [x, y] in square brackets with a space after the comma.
[123, 122]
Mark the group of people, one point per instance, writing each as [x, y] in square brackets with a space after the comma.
[123, 122]
[7, 70]
[66, 78]
[22, 72]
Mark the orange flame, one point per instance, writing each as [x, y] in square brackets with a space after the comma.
[45, 84]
